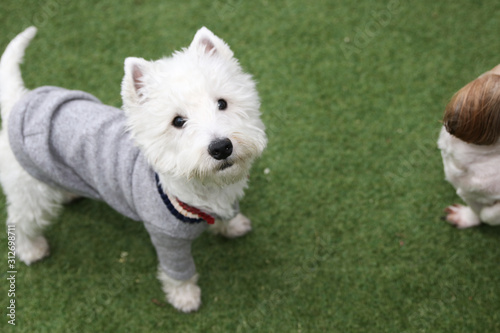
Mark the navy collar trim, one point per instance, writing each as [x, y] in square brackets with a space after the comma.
[181, 210]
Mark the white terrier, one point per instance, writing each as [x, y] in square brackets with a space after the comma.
[177, 157]
[470, 147]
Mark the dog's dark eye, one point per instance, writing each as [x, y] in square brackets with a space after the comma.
[178, 122]
[222, 104]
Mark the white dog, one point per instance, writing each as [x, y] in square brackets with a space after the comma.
[470, 147]
[177, 157]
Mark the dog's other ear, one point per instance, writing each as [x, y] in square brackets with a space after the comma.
[205, 42]
[133, 82]
[473, 114]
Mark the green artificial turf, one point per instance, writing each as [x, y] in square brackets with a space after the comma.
[347, 236]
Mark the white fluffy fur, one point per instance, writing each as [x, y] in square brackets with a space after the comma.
[188, 84]
[473, 171]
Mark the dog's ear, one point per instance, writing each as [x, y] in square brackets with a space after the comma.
[473, 114]
[205, 42]
[133, 82]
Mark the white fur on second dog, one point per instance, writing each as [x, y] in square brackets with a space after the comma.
[474, 172]
[195, 118]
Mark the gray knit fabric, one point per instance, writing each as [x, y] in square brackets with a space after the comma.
[70, 140]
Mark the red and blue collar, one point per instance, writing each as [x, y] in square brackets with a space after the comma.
[181, 210]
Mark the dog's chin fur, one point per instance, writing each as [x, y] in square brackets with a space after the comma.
[212, 196]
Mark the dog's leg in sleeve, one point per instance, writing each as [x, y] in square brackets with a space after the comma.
[176, 270]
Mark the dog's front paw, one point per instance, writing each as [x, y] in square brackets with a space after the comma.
[236, 227]
[185, 296]
[461, 216]
[32, 250]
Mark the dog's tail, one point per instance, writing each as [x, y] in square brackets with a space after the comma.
[11, 82]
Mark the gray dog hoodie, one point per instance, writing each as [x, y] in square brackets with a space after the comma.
[70, 140]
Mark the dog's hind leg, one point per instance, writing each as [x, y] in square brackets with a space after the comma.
[30, 205]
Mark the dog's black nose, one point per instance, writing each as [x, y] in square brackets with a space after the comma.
[220, 148]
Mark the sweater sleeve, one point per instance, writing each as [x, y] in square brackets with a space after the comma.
[174, 254]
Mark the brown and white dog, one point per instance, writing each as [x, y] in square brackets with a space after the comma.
[470, 147]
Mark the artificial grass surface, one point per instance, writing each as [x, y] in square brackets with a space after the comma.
[347, 231]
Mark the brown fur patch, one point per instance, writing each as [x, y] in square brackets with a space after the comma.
[473, 114]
